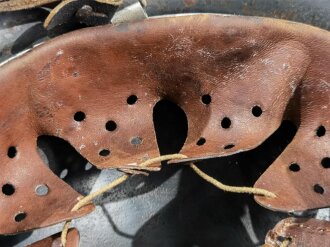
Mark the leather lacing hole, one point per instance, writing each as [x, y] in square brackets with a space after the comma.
[131, 100]
[294, 167]
[225, 123]
[256, 111]
[325, 162]
[206, 99]
[111, 125]
[12, 152]
[20, 216]
[79, 116]
[320, 131]
[104, 152]
[229, 146]
[318, 189]
[201, 141]
[136, 141]
[8, 189]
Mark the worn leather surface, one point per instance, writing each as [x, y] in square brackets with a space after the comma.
[240, 62]
[55, 240]
[13, 5]
[301, 232]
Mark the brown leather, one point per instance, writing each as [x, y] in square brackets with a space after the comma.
[301, 232]
[241, 62]
[55, 240]
[13, 5]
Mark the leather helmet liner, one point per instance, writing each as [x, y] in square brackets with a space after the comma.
[236, 78]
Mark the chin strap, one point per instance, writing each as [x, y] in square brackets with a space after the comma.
[234, 189]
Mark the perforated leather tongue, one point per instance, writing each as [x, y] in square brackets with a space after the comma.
[236, 78]
[32, 196]
[300, 176]
[300, 232]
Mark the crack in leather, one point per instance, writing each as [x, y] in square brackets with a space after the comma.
[241, 62]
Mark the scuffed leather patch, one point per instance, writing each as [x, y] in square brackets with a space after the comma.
[300, 232]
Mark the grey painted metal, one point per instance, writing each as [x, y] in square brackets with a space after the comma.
[314, 12]
[133, 12]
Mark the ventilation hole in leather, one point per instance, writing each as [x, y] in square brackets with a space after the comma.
[104, 152]
[320, 131]
[225, 123]
[294, 167]
[111, 125]
[201, 141]
[206, 99]
[171, 126]
[8, 189]
[326, 162]
[20, 216]
[131, 100]
[12, 152]
[229, 146]
[256, 111]
[79, 116]
[318, 189]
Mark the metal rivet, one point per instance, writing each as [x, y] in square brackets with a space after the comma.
[41, 190]
[136, 140]
[64, 173]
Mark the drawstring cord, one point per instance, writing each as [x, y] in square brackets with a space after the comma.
[234, 189]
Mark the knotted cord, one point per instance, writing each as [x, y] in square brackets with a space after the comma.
[235, 189]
